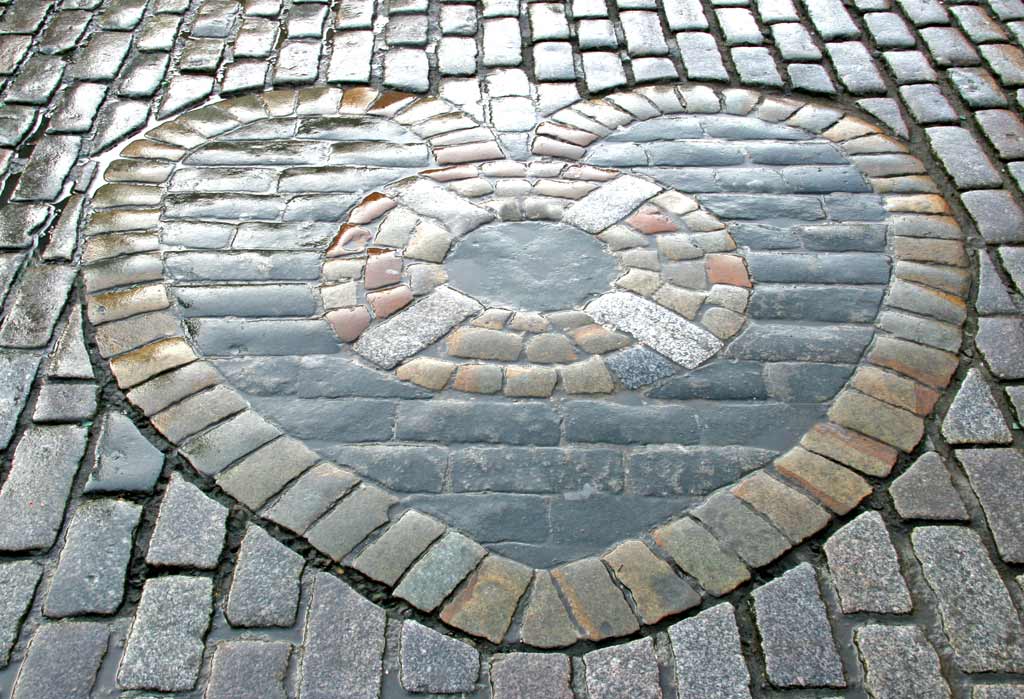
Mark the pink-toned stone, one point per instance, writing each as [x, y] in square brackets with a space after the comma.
[651, 220]
[349, 239]
[385, 303]
[727, 269]
[383, 269]
[349, 323]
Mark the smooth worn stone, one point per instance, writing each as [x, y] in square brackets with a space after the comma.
[998, 217]
[19, 580]
[90, 574]
[486, 603]
[387, 558]
[999, 340]
[65, 402]
[478, 378]
[596, 603]
[925, 491]
[265, 582]
[974, 417]
[17, 370]
[751, 537]
[473, 421]
[838, 488]
[978, 615]
[855, 450]
[34, 496]
[481, 343]
[35, 304]
[432, 662]
[190, 528]
[630, 669]
[795, 633]
[214, 450]
[70, 359]
[709, 659]
[249, 668]
[124, 460]
[657, 592]
[990, 472]
[350, 521]
[433, 577]
[343, 642]
[795, 514]
[590, 376]
[874, 418]
[699, 554]
[198, 412]
[894, 389]
[18, 223]
[530, 675]
[63, 660]
[865, 569]
[313, 493]
[164, 649]
[899, 662]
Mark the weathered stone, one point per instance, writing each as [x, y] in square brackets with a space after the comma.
[212, 451]
[865, 569]
[350, 521]
[252, 668]
[630, 669]
[990, 472]
[19, 580]
[638, 366]
[596, 603]
[265, 582]
[795, 514]
[699, 554]
[709, 660]
[751, 537]
[974, 417]
[997, 339]
[35, 305]
[63, 660]
[889, 424]
[836, 487]
[925, 491]
[189, 530]
[429, 582]
[485, 604]
[432, 662]
[530, 382]
[427, 372]
[899, 662]
[657, 592]
[529, 675]
[978, 615]
[480, 343]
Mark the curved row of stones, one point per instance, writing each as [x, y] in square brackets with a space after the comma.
[668, 250]
[877, 416]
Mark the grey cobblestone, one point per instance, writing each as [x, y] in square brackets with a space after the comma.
[63, 660]
[265, 583]
[190, 528]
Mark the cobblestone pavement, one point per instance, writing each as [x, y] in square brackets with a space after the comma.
[397, 348]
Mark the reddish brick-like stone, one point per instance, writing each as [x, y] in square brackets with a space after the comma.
[929, 366]
[383, 269]
[385, 303]
[727, 269]
[851, 449]
[650, 220]
[349, 239]
[836, 487]
[349, 323]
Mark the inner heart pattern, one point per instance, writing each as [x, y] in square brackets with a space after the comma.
[674, 329]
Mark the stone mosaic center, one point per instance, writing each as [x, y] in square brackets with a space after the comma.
[531, 265]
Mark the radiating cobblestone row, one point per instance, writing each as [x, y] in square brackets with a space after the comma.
[977, 614]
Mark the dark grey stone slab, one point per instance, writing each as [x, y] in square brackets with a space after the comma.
[978, 615]
[808, 268]
[865, 569]
[47, 168]
[630, 669]
[17, 370]
[62, 661]
[243, 266]
[343, 643]
[265, 582]
[19, 580]
[439, 571]
[490, 517]
[536, 470]
[718, 380]
[473, 421]
[899, 662]
[434, 663]
[997, 215]
[994, 474]
[164, 649]
[850, 304]
[35, 305]
[805, 382]
[231, 337]
[90, 575]
[592, 421]
[408, 469]
[638, 366]
[695, 470]
[780, 342]
[993, 297]
[709, 660]
[313, 376]
[795, 633]
[974, 417]
[124, 460]
[190, 528]
[34, 496]
[249, 668]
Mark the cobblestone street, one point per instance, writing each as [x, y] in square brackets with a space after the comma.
[605, 349]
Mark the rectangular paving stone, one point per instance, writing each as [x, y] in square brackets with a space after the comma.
[214, 450]
[962, 157]
[699, 554]
[978, 615]
[166, 389]
[530, 675]
[189, 530]
[630, 669]
[19, 580]
[343, 643]
[265, 582]
[795, 633]
[34, 496]
[709, 659]
[470, 421]
[90, 575]
[874, 418]
[899, 661]
[47, 168]
[17, 371]
[609, 203]
[63, 660]
[836, 487]
[595, 601]
[794, 514]
[35, 304]
[701, 59]
[486, 603]
[865, 569]
[439, 571]
[263, 473]
[993, 473]
[755, 540]
[164, 648]
[390, 555]
[657, 592]
[249, 668]
[352, 520]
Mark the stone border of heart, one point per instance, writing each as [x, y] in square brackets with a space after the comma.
[876, 417]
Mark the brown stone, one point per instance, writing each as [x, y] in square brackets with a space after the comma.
[795, 514]
[486, 602]
[382, 269]
[370, 208]
[427, 372]
[943, 252]
[650, 220]
[478, 378]
[546, 622]
[550, 348]
[917, 203]
[388, 102]
[685, 302]
[529, 322]
[492, 318]
[115, 305]
[901, 392]
[929, 366]
[357, 99]
[349, 323]
[848, 128]
[597, 604]
[530, 382]
[590, 376]
[134, 367]
[597, 339]
[722, 322]
[481, 343]
[640, 281]
[867, 455]
[835, 486]
[887, 423]
[727, 269]
[389, 302]
[657, 592]
[698, 553]
[952, 279]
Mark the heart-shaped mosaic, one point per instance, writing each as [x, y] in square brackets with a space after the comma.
[677, 336]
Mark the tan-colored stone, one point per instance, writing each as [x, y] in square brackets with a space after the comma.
[478, 378]
[685, 302]
[481, 343]
[795, 514]
[887, 423]
[427, 372]
[597, 339]
[134, 367]
[550, 348]
[484, 605]
[530, 382]
[943, 252]
[589, 376]
[640, 281]
[835, 486]
[901, 392]
[390, 301]
[928, 365]
[529, 322]
[857, 451]
[657, 592]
